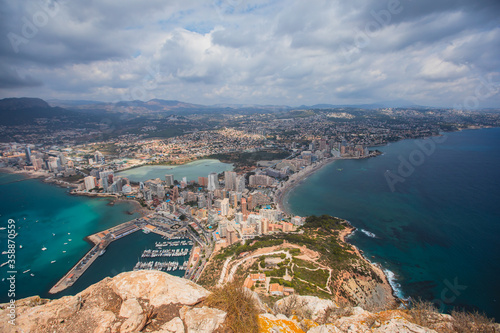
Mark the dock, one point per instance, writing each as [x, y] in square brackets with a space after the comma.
[102, 239]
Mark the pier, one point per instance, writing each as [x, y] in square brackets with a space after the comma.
[101, 240]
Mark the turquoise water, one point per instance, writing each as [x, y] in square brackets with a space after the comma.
[438, 231]
[46, 216]
[191, 171]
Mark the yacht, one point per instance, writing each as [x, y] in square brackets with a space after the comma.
[44, 248]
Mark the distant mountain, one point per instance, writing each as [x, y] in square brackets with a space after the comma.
[12, 104]
[379, 105]
[69, 103]
[18, 111]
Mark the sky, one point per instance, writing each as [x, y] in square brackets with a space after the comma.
[443, 53]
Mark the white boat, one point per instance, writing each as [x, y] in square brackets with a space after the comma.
[53, 261]
[2, 228]
[32, 274]
[26, 271]
[20, 246]
[5, 263]
[44, 248]
[53, 234]
[102, 252]
[65, 243]
[69, 240]
[64, 251]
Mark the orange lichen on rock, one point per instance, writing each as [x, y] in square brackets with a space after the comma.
[270, 324]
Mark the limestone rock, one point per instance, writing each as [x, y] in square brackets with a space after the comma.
[310, 306]
[203, 320]
[174, 326]
[159, 288]
[271, 324]
[329, 328]
[130, 307]
[402, 326]
[133, 323]
[105, 321]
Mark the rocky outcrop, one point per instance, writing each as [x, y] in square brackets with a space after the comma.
[126, 303]
[151, 301]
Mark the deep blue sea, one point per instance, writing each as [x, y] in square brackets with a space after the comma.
[47, 216]
[436, 229]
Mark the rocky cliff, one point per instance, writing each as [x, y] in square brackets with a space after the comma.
[151, 301]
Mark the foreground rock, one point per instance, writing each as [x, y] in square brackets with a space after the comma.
[125, 303]
[151, 301]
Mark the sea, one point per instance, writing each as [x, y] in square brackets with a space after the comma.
[192, 170]
[51, 226]
[427, 210]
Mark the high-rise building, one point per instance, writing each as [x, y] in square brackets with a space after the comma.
[148, 195]
[27, 152]
[213, 182]
[37, 163]
[175, 193]
[90, 182]
[169, 180]
[244, 207]
[224, 209]
[106, 178]
[240, 183]
[230, 180]
[203, 181]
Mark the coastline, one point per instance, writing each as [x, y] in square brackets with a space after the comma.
[296, 179]
[378, 269]
[42, 176]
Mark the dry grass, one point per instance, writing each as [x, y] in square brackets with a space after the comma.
[423, 313]
[293, 305]
[239, 305]
[332, 313]
[472, 322]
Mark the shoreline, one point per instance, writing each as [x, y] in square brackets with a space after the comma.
[42, 176]
[377, 268]
[298, 177]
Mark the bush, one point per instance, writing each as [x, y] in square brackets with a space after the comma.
[471, 322]
[239, 305]
[423, 313]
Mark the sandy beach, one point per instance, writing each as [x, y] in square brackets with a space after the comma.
[296, 179]
[27, 174]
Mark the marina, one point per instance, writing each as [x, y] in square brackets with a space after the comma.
[175, 233]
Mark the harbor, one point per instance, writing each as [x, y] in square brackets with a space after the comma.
[176, 246]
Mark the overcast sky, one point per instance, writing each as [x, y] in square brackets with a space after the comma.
[428, 52]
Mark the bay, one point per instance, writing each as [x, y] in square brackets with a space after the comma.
[46, 216]
[437, 232]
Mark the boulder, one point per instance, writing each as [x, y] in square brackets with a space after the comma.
[202, 320]
[309, 306]
[401, 325]
[174, 326]
[159, 288]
